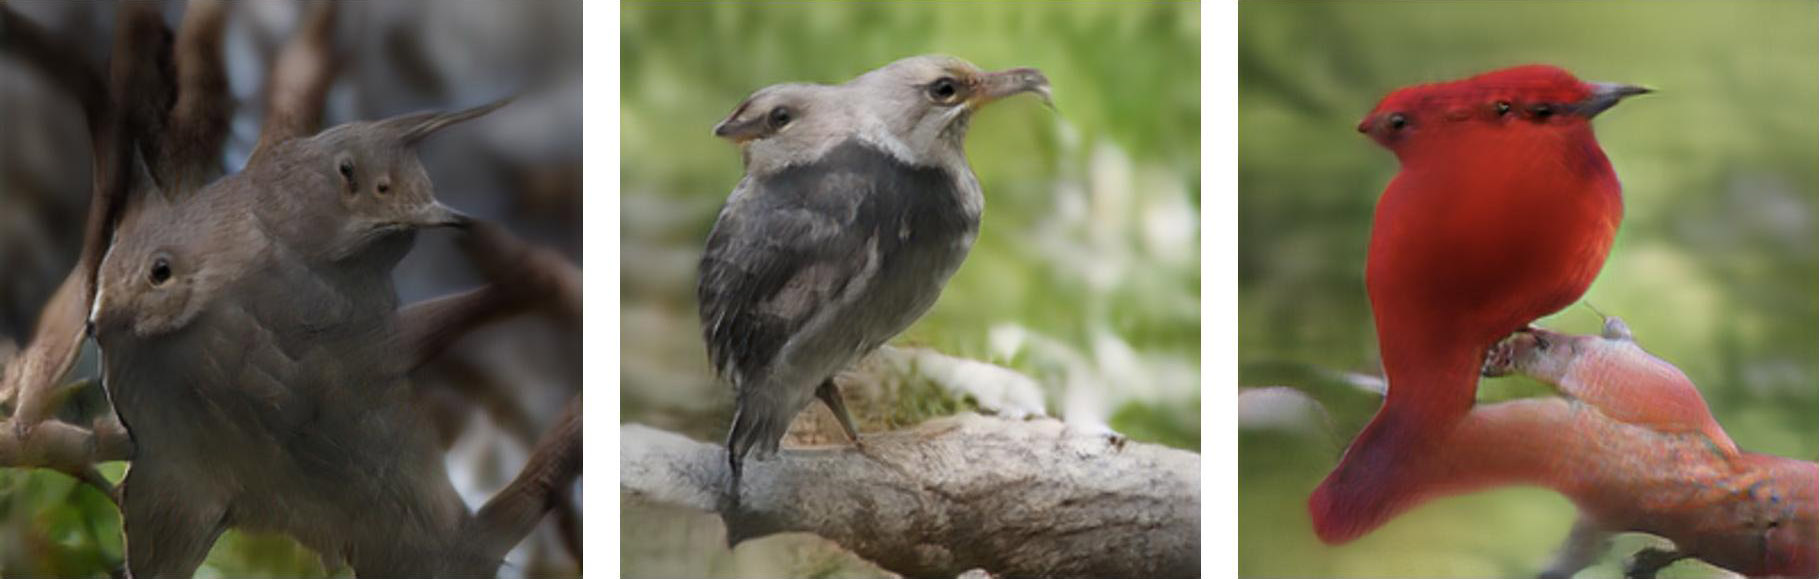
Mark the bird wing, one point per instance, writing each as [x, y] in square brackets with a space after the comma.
[778, 256]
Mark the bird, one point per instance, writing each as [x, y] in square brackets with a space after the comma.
[248, 335]
[1503, 211]
[353, 193]
[856, 207]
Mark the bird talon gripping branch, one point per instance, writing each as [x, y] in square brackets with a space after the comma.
[856, 206]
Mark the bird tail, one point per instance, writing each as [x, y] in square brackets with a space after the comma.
[754, 428]
[1375, 480]
[1386, 469]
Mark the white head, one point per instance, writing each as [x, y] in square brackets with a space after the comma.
[917, 109]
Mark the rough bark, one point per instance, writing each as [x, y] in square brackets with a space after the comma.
[1018, 498]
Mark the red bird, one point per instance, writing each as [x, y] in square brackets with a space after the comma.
[1503, 212]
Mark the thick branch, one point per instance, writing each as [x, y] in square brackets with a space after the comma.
[300, 79]
[512, 513]
[61, 446]
[963, 492]
[199, 119]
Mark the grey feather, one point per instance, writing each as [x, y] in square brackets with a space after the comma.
[856, 208]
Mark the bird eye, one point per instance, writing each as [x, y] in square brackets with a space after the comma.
[780, 116]
[1503, 108]
[160, 272]
[1397, 121]
[943, 89]
[1541, 111]
[384, 186]
[347, 174]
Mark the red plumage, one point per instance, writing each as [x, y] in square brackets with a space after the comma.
[1503, 212]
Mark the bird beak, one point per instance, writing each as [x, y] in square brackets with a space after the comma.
[436, 214]
[1606, 95]
[994, 86]
[739, 132]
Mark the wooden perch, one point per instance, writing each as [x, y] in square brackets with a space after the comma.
[963, 492]
[1636, 450]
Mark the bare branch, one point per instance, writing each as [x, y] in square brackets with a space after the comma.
[61, 446]
[512, 513]
[199, 119]
[300, 79]
[519, 276]
[534, 272]
[963, 492]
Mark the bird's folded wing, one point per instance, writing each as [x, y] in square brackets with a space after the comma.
[774, 261]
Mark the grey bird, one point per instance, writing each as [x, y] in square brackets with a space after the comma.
[353, 193]
[856, 207]
[247, 335]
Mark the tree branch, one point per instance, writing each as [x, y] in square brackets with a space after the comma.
[512, 513]
[953, 494]
[1648, 461]
[300, 79]
[199, 118]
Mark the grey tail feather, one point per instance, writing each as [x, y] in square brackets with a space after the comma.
[738, 443]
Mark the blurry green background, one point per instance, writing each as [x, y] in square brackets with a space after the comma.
[1716, 267]
[1085, 275]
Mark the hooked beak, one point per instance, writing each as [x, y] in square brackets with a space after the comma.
[1606, 95]
[995, 86]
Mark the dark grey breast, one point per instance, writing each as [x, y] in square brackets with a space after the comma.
[788, 245]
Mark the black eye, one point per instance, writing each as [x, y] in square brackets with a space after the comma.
[161, 271]
[780, 116]
[943, 89]
[1541, 111]
[347, 174]
[384, 187]
[1503, 108]
[1397, 121]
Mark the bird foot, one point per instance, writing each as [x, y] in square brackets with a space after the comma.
[1647, 562]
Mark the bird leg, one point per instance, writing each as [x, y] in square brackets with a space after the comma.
[830, 395]
[1650, 561]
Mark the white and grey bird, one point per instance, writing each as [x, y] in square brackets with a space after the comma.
[856, 207]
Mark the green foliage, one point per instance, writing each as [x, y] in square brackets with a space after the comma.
[56, 526]
[1716, 267]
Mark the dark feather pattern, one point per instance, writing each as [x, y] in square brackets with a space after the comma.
[788, 244]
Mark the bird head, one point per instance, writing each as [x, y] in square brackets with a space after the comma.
[168, 261]
[382, 190]
[926, 102]
[916, 108]
[1532, 99]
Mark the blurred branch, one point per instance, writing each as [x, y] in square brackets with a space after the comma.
[300, 79]
[963, 492]
[30, 437]
[199, 118]
[512, 513]
[519, 276]
[1752, 513]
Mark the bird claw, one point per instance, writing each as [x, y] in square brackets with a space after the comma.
[1647, 562]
